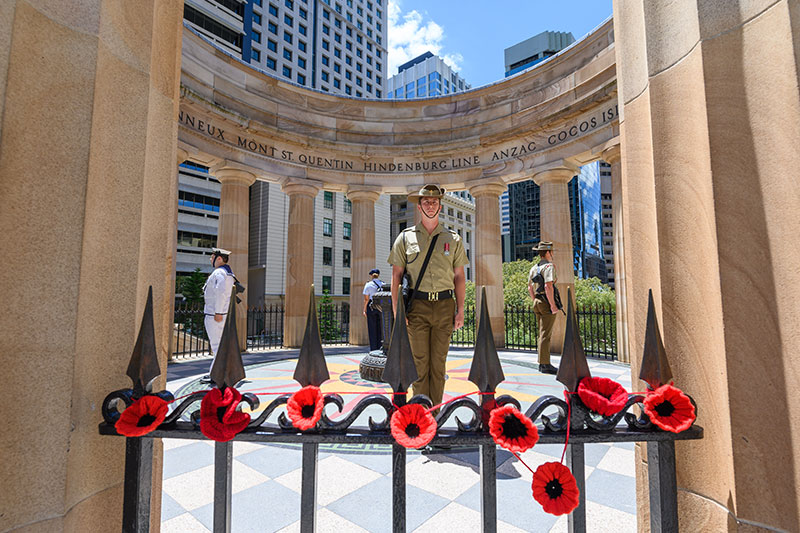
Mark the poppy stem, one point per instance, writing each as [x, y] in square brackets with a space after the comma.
[523, 462]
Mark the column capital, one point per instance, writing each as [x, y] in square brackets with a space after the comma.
[358, 194]
[612, 154]
[182, 155]
[292, 186]
[556, 172]
[229, 172]
[493, 188]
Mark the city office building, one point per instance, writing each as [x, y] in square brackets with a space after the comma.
[333, 245]
[531, 51]
[458, 214]
[425, 76]
[198, 218]
[586, 221]
[329, 45]
[521, 230]
[608, 222]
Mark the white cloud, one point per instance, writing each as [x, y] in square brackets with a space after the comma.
[411, 35]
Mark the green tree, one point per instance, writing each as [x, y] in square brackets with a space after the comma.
[328, 325]
[191, 287]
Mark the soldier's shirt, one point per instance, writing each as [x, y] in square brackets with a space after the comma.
[548, 271]
[411, 246]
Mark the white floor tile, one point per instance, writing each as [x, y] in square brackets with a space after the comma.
[337, 477]
[620, 461]
[184, 523]
[442, 476]
[196, 488]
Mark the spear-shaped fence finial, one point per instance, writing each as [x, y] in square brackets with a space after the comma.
[400, 371]
[311, 367]
[143, 367]
[573, 367]
[655, 368]
[486, 371]
[227, 369]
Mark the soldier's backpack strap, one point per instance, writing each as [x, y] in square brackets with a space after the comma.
[410, 296]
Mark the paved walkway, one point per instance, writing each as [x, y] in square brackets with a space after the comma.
[354, 487]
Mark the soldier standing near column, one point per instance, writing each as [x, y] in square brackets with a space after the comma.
[437, 305]
[546, 304]
[217, 295]
[372, 313]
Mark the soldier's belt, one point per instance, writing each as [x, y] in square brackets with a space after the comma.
[434, 296]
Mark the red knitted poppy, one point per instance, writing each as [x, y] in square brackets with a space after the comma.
[143, 416]
[512, 430]
[602, 395]
[670, 409]
[305, 407]
[219, 419]
[413, 426]
[554, 487]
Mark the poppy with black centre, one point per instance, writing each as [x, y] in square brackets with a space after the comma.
[305, 407]
[670, 409]
[554, 487]
[512, 430]
[413, 426]
[142, 417]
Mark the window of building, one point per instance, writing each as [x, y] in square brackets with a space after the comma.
[271, 63]
[328, 199]
[377, 53]
[272, 45]
[324, 76]
[301, 46]
[303, 14]
[399, 92]
[346, 231]
[348, 45]
[377, 66]
[358, 94]
[326, 45]
[337, 37]
[358, 67]
[349, 32]
[449, 211]
[377, 93]
[327, 255]
[326, 29]
[337, 23]
[326, 284]
[301, 29]
[198, 201]
[421, 91]
[348, 60]
[273, 10]
[327, 227]
[337, 52]
[288, 20]
[287, 37]
[345, 285]
[348, 90]
[257, 2]
[273, 28]
[287, 54]
[325, 60]
[255, 54]
[337, 83]
[301, 62]
[346, 258]
[301, 79]
[369, 88]
[289, 4]
[257, 18]
[369, 32]
[369, 74]
[459, 215]
[348, 75]
[359, 52]
[256, 36]
[468, 234]
[196, 240]
[358, 81]
[339, 8]
[348, 206]
[469, 217]
[287, 72]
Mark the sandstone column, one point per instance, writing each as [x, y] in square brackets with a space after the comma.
[362, 259]
[87, 196]
[234, 229]
[555, 227]
[612, 157]
[489, 254]
[299, 258]
[711, 107]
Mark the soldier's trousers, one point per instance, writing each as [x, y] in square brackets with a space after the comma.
[430, 326]
[546, 321]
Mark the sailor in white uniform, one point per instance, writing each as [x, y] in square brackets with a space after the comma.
[217, 295]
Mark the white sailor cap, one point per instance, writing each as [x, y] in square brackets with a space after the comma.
[220, 251]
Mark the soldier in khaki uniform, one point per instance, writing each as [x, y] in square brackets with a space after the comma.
[438, 305]
[541, 283]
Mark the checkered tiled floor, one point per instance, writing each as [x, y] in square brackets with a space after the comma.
[354, 488]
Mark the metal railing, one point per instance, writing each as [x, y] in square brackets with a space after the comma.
[265, 327]
[596, 324]
[556, 417]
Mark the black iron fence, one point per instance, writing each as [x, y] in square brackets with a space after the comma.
[597, 326]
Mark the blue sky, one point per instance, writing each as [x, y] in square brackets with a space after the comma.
[472, 34]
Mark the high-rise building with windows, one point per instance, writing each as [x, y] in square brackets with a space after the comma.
[608, 223]
[529, 52]
[329, 45]
[425, 76]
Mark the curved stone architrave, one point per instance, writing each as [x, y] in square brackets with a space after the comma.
[563, 108]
